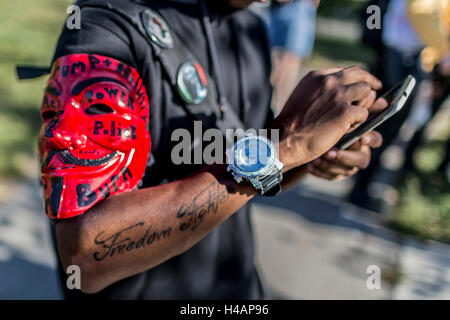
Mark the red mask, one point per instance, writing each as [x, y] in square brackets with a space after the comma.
[94, 141]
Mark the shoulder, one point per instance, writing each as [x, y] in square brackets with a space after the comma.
[106, 28]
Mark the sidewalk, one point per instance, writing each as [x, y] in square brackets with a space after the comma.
[27, 262]
[311, 245]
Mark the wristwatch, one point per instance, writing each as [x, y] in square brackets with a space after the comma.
[254, 158]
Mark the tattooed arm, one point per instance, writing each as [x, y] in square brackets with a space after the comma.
[135, 231]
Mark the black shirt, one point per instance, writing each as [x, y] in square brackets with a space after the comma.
[221, 265]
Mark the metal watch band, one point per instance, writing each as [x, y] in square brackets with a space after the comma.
[271, 185]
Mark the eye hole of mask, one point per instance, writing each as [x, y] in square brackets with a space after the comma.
[98, 109]
[48, 115]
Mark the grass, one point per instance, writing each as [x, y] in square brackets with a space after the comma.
[28, 35]
[424, 206]
[342, 50]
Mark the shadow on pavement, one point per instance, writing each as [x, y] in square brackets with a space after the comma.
[27, 261]
[329, 210]
[21, 279]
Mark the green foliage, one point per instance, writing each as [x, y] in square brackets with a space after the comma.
[340, 8]
[28, 35]
[424, 206]
[343, 50]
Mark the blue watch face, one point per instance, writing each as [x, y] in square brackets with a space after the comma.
[252, 154]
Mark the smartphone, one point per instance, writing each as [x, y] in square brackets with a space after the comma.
[395, 97]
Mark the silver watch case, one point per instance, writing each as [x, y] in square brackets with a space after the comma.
[258, 173]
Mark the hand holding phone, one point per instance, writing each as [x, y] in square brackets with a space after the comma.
[396, 99]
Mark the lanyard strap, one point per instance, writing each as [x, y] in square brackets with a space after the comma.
[214, 57]
[217, 72]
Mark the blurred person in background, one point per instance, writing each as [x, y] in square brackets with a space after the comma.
[398, 49]
[431, 20]
[292, 33]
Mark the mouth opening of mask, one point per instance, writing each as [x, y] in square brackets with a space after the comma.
[68, 158]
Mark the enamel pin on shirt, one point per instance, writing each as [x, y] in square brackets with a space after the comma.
[157, 29]
[192, 83]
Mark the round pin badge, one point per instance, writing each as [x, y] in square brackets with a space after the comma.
[192, 83]
[157, 29]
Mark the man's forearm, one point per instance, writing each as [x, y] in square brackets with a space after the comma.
[135, 231]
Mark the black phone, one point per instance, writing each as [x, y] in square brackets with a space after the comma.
[395, 97]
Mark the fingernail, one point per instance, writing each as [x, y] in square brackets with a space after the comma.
[332, 154]
[365, 140]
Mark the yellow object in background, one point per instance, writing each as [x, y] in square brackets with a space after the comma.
[431, 20]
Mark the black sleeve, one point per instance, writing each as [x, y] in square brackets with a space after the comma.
[102, 32]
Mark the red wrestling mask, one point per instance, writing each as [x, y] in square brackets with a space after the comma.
[94, 141]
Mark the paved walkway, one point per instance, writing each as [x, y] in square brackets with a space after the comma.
[27, 262]
[310, 245]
